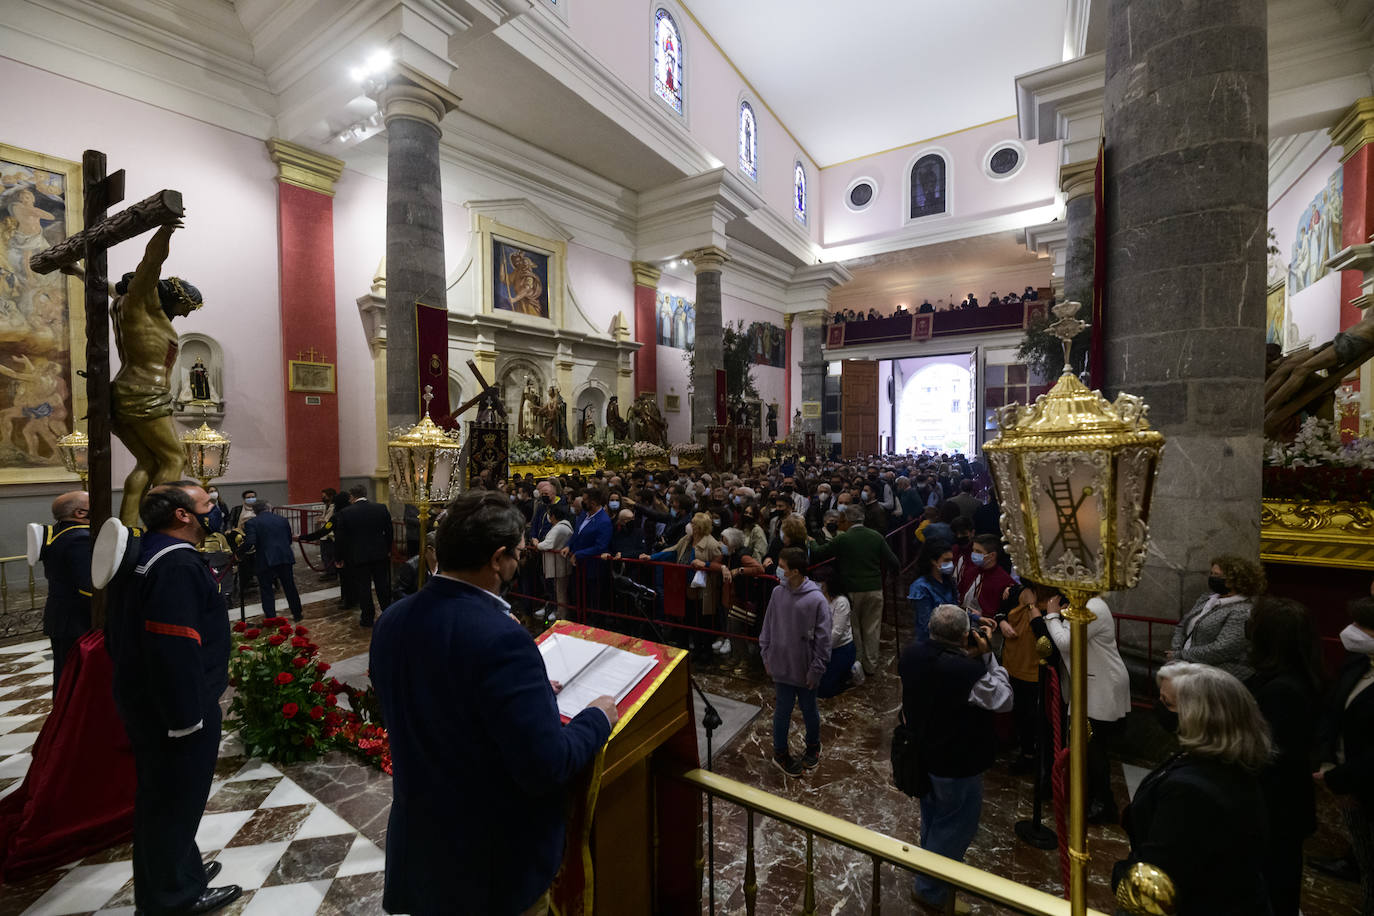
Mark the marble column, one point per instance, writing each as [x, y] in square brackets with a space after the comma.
[813, 370]
[646, 278]
[1080, 217]
[1186, 190]
[412, 106]
[1355, 133]
[709, 346]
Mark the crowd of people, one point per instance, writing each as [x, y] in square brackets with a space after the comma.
[949, 304]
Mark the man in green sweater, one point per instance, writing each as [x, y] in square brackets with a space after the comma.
[860, 555]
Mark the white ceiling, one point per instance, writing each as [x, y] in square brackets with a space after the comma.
[854, 78]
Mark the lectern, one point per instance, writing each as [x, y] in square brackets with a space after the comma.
[632, 835]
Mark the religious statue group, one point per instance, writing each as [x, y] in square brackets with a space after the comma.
[546, 419]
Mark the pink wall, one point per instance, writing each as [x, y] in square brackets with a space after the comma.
[1319, 298]
[971, 193]
[603, 285]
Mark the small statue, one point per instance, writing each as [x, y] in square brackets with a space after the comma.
[587, 428]
[556, 420]
[200, 381]
[528, 421]
[772, 421]
[618, 427]
[797, 420]
[646, 423]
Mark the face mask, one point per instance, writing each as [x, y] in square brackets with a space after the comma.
[251, 501]
[212, 521]
[867, 497]
[1357, 640]
[1168, 719]
[1217, 584]
[832, 527]
[673, 513]
[214, 494]
[736, 500]
[786, 489]
[978, 558]
[614, 504]
[947, 568]
[512, 497]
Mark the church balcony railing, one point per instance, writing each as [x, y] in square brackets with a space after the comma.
[926, 325]
[878, 848]
[21, 610]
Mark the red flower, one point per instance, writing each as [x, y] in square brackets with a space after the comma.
[240, 627]
[245, 648]
[252, 634]
[289, 710]
[285, 630]
[299, 642]
[333, 717]
[274, 621]
[233, 682]
[317, 712]
[318, 687]
[322, 667]
[302, 631]
[276, 639]
[308, 741]
[300, 662]
[331, 700]
[285, 677]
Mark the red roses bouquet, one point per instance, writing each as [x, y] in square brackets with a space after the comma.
[282, 699]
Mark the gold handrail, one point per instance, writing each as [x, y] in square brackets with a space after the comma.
[882, 847]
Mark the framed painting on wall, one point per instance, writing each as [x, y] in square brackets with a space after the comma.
[522, 276]
[42, 316]
[315, 377]
[520, 279]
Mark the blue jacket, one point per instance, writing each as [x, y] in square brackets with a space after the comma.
[592, 538]
[482, 764]
[927, 594]
[66, 556]
[271, 535]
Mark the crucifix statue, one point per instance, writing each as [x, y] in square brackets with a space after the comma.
[488, 401]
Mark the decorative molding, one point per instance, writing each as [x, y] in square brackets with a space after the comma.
[1078, 179]
[1355, 128]
[710, 258]
[947, 230]
[1290, 157]
[692, 213]
[645, 274]
[411, 94]
[1317, 534]
[303, 167]
[1051, 100]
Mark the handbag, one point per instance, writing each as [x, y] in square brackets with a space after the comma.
[909, 772]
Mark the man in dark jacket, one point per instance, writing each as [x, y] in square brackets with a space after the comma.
[951, 686]
[468, 704]
[363, 535]
[269, 536]
[168, 637]
[66, 556]
[860, 554]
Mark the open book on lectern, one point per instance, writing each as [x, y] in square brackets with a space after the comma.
[589, 669]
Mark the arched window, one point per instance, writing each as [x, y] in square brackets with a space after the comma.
[748, 141]
[799, 192]
[667, 60]
[928, 186]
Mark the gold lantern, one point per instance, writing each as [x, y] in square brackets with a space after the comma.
[426, 468]
[207, 453]
[1074, 476]
[75, 451]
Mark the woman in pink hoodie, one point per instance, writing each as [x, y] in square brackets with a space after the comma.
[795, 645]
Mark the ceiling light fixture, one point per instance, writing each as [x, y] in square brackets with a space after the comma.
[374, 71]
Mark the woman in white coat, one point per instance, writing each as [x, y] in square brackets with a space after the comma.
[1109, 693]
[556, 566]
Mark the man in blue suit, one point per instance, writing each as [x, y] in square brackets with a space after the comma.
[269, 535]
[481, 761]
[591, 538]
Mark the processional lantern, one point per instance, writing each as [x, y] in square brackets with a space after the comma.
[1074, 476]
[426, 469]
[207, 453]
[75, 451]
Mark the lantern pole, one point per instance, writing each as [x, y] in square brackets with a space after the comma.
[421, 563]
[1080, 733]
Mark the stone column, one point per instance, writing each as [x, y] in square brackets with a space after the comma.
[412, 106]
[1354, 132]
[1080, 218]
[1185, 298]
[646, 277]
[813, 368]
[785, 421]
[709, 347]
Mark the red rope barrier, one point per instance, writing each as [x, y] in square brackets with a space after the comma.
[1059, 771]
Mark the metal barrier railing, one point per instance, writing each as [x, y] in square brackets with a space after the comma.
[20, 614]
[880, 849]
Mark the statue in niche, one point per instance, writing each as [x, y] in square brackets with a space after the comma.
[772, 421]
[529, 423]
[646, 423]
[796, 419]
[196, 388]
[618, 427]
[555, 414]
[587, 427]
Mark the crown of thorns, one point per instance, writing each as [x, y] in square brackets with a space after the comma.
[194, 301]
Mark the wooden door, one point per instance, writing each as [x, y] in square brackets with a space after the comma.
[858, 407]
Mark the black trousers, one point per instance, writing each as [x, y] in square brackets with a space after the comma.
[1100, 764]
[268, 577]
[365, 576]
[1025, 715]
[173, 785]
[60, 648]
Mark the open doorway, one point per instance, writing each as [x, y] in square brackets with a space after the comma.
[935, 403]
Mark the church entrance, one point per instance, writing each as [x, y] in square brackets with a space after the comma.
[935, 403]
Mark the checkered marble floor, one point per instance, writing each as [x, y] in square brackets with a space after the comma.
[289, 851]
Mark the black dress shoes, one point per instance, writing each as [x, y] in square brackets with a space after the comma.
[214, 898]
[211, 870]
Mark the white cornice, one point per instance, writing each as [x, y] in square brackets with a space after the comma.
[948, 230]
[1290, 157]
[1076, 16]
[1043, 237]
[1041, 94]
[985, 278]
[936, 346]
[691, 213]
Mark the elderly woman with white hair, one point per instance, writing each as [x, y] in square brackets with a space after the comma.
[1200, 817]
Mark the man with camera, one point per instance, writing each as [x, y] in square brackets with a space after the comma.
[952, 685]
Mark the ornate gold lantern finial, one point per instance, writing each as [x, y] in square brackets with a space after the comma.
[207, 453]
[1146, 891]
[426, 468]
[75, 451]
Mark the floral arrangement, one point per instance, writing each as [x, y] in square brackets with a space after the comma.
[282, 707]
[580, 454]
[530, 450]
[360, 731]
[613, 454]
[688, 450]
[647, 451]
[1319, 464]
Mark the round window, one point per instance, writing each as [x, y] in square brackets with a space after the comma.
[1004, 161]
[861, 195]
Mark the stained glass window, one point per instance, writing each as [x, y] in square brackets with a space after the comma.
[928, 186]
[799, 192]
[667, 60]
[748, 141]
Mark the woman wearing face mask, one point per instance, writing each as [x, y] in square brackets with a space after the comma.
[1199, 817]
[755, 541]
[1213, 632]
[1348, 742]
[935, 585]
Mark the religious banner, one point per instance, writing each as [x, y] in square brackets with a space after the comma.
[1035, 312]
[431, 337]
[922, 326]
[835, 335]
[722, 399]
[744, 449]
[715, 446]
[488, 449]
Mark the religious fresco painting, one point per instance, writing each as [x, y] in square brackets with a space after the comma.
[520, 279]
[677, 321]
[37, 329]
[768, 344]
[928, 186]
[1318, 236]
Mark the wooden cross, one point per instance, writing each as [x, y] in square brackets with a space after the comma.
[488, 393]
[311, 355]
[92, 244]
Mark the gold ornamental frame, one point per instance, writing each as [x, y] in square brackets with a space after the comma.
[301, 382]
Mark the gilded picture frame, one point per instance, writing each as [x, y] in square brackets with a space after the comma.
[316, 378]
[513, 263]
[42, 317]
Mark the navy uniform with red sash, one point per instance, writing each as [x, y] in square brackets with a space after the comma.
[66, 556]
[168, 635]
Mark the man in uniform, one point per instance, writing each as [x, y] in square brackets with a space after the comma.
[169, 639]
[66, 557]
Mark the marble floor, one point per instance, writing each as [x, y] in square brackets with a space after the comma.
[308, 838]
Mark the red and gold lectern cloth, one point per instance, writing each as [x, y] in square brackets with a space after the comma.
[572, 893]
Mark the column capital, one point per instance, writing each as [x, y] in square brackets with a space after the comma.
[303, 167]
[708, 258]
[1355, 129]
[408, 93]
[1077, 179]
[813, 319]
[787, 321]
[645, 274]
